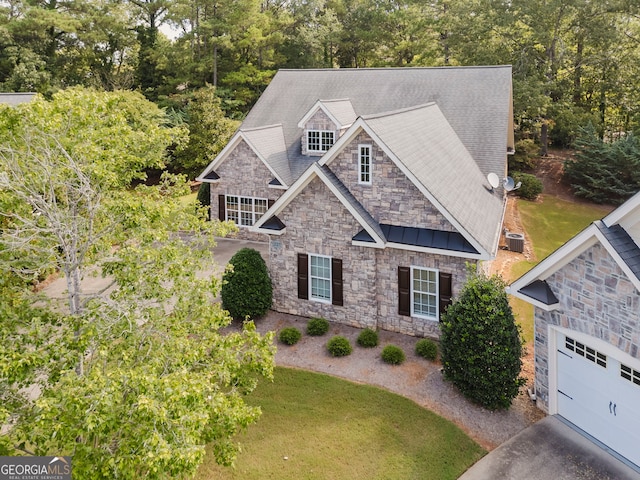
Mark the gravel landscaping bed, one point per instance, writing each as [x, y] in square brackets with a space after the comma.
[417, 378]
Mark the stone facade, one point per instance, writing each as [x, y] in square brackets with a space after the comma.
[318, 121]
[253, 182]
[317, 223]
[391, 197]
[597, 299]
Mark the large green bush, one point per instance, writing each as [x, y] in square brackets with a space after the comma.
[246, 286]
[530, 186]
[204, 194]
[481, 344]
[339, 346]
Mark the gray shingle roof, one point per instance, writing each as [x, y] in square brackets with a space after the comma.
[342, 110]
[16, 98]
[422, 139]
[623, 244]
[474, 100]
[269, 141]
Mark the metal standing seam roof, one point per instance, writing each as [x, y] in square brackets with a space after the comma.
[476, 102]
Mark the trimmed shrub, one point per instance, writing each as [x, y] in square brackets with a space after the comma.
[290, 335]
[246, 288]
[480, 346]
[393, 355]
[204, 196]
[339, 346]
[368, 338]
[427, 349]
[317, 327]
[531, 186]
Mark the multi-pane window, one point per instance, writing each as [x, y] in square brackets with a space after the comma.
[319, 140]
[245, 211]
[630, 374]
[320, 277]
[365, 164]
[424, 291]
[585, 351]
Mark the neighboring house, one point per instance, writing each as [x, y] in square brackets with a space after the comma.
[371, 188]
[14, 99]
[586, 298]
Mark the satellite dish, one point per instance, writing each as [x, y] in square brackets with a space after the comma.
[509, 184]
[494, 180]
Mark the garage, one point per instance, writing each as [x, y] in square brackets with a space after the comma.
[598, 390]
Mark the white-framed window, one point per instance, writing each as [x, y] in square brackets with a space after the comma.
[244, 211]
[320, 278]
[319, 140]
[424, 292]
[364, 164]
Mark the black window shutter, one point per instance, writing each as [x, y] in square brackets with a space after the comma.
[270, 203]
[222, 208]
[303, 276]
[336, 282]
[404, 291]
[444, 285]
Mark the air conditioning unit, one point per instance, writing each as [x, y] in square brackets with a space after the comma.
[515, 242]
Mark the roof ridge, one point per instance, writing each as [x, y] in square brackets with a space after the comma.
[398, 111]
[262, 127]
[457, 67]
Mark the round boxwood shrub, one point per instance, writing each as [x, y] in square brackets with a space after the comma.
[393, 355]
[427, 349]
[339, 346]
[317, 327]
[246, 287]
[290, 335]
[531, 186]
[368, 338]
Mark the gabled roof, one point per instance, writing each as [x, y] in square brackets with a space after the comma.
[267, 143]
[264, 225]
[16, 98]
[617, 233]
[423, 145]
[476, 102]
[340, 112]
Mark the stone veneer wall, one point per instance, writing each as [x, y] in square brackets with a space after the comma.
[391, 198]
[318, 121]
[596, 299]
[243, 173]
[318, 223]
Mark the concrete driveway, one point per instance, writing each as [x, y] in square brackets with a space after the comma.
[550, 450]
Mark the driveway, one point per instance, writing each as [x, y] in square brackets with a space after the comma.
[550, 450]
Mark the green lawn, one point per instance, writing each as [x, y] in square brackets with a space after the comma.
[548, 224]
[329, 428]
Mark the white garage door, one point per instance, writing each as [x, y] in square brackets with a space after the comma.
[600, 394]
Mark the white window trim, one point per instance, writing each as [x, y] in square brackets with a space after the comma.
[311, 277]
[254, 215]
[436, 294]
[320, 132]
[370, 173]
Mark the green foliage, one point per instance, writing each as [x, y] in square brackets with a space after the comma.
[604, 172]
[317, 326]
[568, 121]
[246, 285]
[339, 346]
[204, 194]
[525, 156]
[427, 349]
[393, 355]
[481, 344]
[530, 186]
[289, 335]
[368, 338]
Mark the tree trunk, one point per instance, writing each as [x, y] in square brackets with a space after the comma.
[543, 139]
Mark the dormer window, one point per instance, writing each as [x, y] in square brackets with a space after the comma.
[364, 162]
[320, 140]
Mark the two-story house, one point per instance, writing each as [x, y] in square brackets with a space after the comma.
[371, 187]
